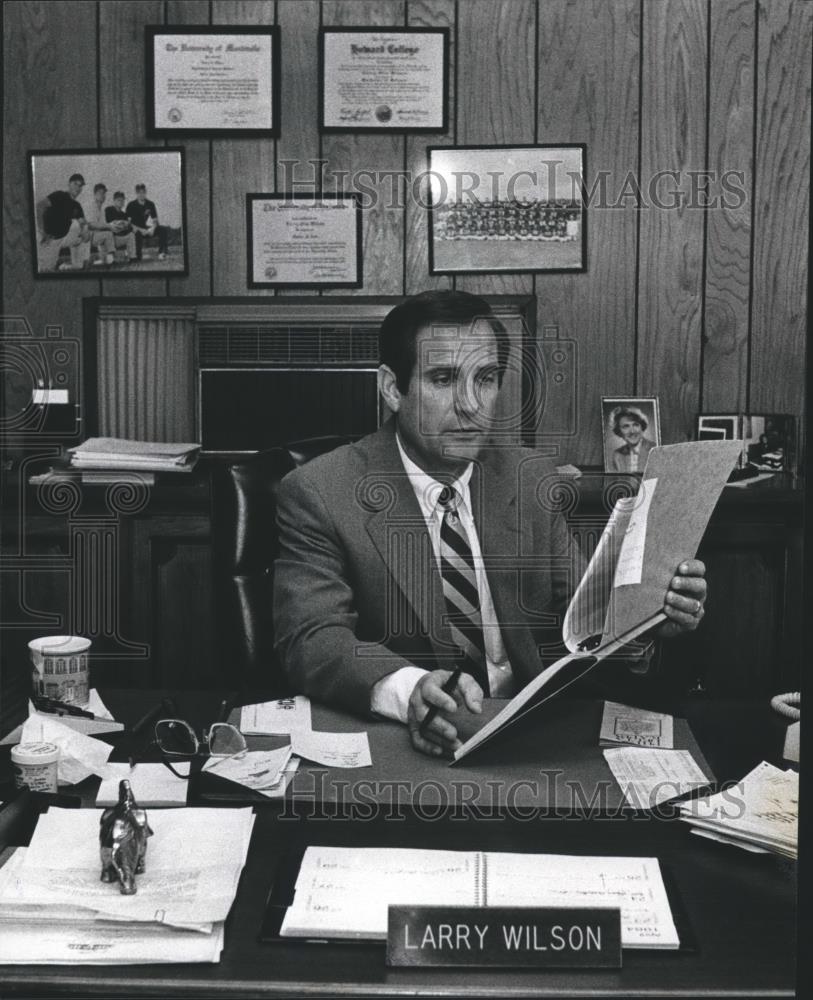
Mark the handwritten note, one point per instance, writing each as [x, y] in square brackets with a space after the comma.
[648, 776]
[333, 749]
[256, 769]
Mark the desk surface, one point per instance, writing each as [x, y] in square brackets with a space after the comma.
[736, 911]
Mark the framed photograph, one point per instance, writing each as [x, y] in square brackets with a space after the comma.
[769, 441]
[304, 241]
[383, 79]
[718, 426]
[116, 213]
[631, 428]
[214, 81]
[507, 209]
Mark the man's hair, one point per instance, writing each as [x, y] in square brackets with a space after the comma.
[444, 307]
[630, 414]
[141, 187]
[119, 194]
[76, 177]
[99, 187]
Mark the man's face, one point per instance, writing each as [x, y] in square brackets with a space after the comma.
[75, 188]
[119, 203]
[446, 415]
[100, 196]
[141, 196]
[631, 431]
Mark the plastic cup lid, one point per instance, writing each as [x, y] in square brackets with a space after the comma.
[59, 645]
[35, 753]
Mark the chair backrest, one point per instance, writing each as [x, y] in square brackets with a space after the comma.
[245, 545]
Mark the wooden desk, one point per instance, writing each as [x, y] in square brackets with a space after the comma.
[736, 911]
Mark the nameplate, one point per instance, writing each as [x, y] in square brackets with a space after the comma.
[506, 936]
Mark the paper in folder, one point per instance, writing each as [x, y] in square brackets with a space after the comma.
[622, 591]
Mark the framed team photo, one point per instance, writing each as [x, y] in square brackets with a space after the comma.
[506, 209]
[631, 428]
[116, 213]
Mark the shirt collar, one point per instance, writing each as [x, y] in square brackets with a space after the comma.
[427, 489]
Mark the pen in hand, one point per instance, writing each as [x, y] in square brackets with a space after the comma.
[448, 688]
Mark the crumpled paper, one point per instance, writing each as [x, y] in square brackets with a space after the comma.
[79, 755]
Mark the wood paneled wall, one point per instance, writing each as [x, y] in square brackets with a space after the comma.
[703, 307]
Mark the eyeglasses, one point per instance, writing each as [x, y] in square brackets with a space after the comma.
[176, 738]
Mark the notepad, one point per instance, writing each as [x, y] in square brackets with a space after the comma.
[345, 892]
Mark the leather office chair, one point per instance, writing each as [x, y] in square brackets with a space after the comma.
[245, 545]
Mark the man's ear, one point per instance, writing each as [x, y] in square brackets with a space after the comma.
[387, 386]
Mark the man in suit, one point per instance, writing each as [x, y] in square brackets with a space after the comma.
[431, 543]
[630, 424]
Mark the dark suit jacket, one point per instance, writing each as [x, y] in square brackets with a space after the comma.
[357, 592]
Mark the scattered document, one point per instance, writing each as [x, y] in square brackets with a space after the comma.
[270, 718]
[761, 811]
[98, 707]
[621, 724]
[630, 564]
[122, 453]
[194, 862]
[79, 755]
[152, 784]
[647, 777]
[255, 769]
[278, 791]
[333, 749]
[345, 892]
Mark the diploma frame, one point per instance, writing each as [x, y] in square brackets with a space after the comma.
[507, 209]
[197, 34]
[382, 117]
[162, 249]
[352, 236]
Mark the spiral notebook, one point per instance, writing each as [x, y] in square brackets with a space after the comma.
[344, 893]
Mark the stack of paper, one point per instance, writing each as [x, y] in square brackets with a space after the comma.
[55, 910]
[760, 813]
[142, 456]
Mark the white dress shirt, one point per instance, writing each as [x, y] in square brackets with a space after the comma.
[390, 695]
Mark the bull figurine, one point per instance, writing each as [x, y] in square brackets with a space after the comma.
[123, 833]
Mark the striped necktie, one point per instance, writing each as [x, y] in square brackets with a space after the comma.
[460, 588]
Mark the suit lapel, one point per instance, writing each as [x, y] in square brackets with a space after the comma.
[398, 531]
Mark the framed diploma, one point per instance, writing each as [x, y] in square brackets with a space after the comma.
[507, 209]
[383, 80]
[304, 241]
[213, 80]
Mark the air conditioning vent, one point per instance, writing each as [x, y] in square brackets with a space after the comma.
[241, 344]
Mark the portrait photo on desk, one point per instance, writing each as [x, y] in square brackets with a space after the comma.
[631, 428]
[769, 441]
[117, 213]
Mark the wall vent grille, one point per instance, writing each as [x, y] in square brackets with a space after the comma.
[240, 344]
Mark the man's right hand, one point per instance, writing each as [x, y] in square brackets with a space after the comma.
[441, 736]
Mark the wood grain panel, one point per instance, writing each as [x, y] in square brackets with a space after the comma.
[495, 101]
[673, 119]
[588, 60]
[239, 166]
[198, 179]
[728, 240]
[782, 200]
[122, 115]
[299, 142]
[368, 158]
[426, 14]
[39, 70]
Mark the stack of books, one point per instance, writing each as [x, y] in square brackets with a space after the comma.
[103, 459]
[55, 910]
[759, 813]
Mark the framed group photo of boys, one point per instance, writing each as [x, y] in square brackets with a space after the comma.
[631, 428]
[507, 209]
[213, 81]
[117, 213]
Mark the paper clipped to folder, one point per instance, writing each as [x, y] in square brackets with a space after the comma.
[622, 591]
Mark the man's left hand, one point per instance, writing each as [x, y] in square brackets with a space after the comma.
[685, 599]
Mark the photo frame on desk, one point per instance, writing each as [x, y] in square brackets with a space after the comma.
[304, 241]
[215, 81]
[108, 214]
[507, 209]
[389, 79]
[631, 428]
